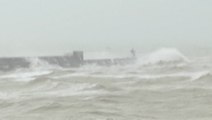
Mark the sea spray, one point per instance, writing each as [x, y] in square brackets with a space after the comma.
[163, 56]
[165, 81]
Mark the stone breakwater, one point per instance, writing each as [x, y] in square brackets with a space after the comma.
[76, 59]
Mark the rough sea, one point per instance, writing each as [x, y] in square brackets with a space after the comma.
[162, 85]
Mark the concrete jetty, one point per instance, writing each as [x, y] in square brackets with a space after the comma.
[76, 59]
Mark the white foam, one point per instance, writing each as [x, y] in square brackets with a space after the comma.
[76, 89]
[69, 75]
[7, 96]
[197, 76]
[139, 75]
[24, 75]
[51, 90]
[164, 55]
[38, 64]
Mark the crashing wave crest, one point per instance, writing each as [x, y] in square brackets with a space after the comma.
[164, 56]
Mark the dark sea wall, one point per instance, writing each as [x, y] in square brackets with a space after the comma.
[108, 62]
[13, 63]
[63, 61]
[74, 60]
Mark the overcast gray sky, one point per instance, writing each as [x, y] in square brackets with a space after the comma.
[39, 27]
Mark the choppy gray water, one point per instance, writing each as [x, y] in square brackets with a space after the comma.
[164, 85]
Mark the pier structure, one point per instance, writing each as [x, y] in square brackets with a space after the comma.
[76, 59]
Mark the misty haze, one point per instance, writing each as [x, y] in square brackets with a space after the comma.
[105, 60]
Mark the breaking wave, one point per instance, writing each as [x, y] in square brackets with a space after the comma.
[23, 75]
[163, 56]
[162, 78]
[38, 64]
[164, 63]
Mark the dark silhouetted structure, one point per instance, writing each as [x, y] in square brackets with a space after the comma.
[76, 59]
